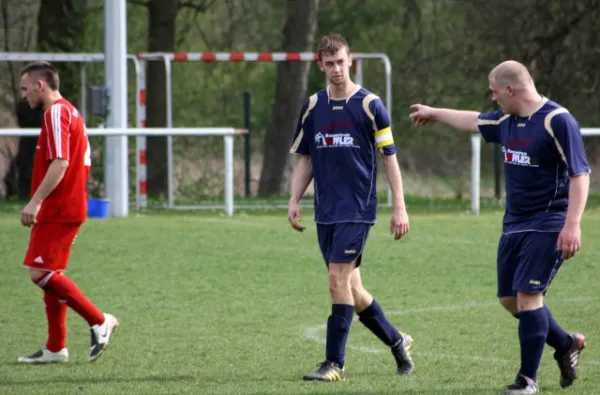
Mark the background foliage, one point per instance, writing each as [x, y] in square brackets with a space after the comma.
[441, 52]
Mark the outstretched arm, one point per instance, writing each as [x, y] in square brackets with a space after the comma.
[458, 119]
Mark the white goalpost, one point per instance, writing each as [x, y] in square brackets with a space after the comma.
[168, 59]
[590, 132]
[227, 133]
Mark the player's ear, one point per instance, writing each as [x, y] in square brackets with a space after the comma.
[39, 84]
[320, 64]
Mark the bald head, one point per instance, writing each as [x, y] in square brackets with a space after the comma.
[513, 89]
[511, 73]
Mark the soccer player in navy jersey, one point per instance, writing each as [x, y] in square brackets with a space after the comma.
[339, 131]
[547, 183]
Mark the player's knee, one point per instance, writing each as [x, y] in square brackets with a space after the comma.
[357, 289]
[359, 292]
[509, 303]
[338, 280]
[527, 301]
[39, 277]
[362, 299]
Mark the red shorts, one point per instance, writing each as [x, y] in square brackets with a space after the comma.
[50, 246]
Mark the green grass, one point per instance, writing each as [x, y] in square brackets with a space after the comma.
[216, 305]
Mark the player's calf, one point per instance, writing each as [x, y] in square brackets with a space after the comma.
[400, 343]
[63, 288]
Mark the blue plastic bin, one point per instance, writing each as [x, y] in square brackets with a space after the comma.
[98, 208]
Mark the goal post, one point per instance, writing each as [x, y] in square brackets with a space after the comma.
[167, 59]
[590, 132]
[228, 135]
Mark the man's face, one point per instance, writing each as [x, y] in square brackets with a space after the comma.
[336, 66]
[32, 90]
[504, 96]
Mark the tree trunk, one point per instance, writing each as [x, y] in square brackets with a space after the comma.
[26, 118]
[161, 38]
[60, 27]
[292, 80]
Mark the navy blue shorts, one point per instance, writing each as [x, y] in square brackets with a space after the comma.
[343, 242]
[527, 262]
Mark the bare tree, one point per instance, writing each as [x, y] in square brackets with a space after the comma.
[162, 17]
[60, 24]
[292, 80]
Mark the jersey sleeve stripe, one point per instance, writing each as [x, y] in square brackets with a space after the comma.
[366, 102]
[312, 102]
[48, 145]
[481, 122]
[548, 126]
[297, 142]
[56, 129]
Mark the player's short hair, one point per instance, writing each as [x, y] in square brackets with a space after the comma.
[511, 73]
[45, 71]
[332, 43]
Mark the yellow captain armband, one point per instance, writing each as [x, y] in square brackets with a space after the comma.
[383, 138]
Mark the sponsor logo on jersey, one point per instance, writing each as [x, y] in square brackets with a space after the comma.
[335, 140]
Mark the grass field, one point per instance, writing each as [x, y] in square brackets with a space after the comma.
[216, 305]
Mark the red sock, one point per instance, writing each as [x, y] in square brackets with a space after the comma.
[63, 288]
[56, 313]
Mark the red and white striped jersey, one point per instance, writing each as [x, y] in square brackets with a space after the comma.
[63, 136]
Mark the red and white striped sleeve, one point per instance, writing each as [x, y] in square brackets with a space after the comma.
[57, 120]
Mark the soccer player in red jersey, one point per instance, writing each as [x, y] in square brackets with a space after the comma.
[56, 211]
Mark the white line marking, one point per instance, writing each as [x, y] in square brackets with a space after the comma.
[312, 332]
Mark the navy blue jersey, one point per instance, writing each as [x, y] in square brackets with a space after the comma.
[541, 153]
[342, 137]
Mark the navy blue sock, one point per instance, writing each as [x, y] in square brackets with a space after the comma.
[374, 318]
[533, 330]
[558, 338]
[338, 326]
